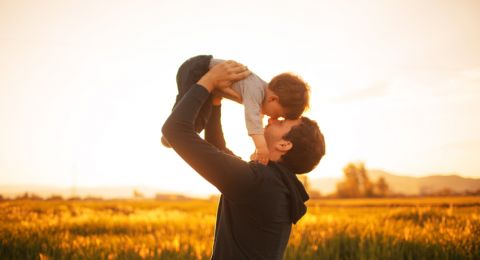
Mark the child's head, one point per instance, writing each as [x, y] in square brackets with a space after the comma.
[287, 96]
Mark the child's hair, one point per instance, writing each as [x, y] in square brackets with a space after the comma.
[293, 94]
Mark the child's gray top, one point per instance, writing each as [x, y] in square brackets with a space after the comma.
[252, 91]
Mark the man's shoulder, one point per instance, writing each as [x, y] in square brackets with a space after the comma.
[267, 175]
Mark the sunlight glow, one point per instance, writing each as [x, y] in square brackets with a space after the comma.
[86, 87]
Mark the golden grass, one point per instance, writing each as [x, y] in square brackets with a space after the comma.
[432, 228]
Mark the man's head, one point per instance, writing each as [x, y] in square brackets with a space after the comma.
[287, 96]
[298, 144]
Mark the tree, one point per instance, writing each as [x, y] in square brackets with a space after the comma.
[356, 183]
[312, 193]
[366, 186]
[382, 188]
[28, 196]
[349, 188]
[472, 193]
[55, 197]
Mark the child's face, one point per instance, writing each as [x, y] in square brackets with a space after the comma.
[271, 105]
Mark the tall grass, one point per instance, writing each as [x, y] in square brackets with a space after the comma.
[413, 229]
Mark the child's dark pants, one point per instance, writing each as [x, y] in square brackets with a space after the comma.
[188, 74]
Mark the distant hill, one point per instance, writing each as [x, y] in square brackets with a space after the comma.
[405, 184]
[428, 184]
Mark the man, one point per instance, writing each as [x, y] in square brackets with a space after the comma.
[259, 202]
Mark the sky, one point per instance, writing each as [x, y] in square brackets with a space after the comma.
[85, 86]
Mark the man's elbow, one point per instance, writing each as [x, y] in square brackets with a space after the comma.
[174, 131]
[167, 129]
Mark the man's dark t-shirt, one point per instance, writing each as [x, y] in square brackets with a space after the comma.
[259, 202]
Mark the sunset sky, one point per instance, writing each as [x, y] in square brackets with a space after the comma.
[85, 86]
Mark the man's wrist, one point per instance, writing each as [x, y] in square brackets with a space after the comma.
[207, 83]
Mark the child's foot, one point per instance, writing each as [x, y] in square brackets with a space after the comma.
[165, 142]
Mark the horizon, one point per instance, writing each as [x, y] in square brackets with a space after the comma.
[86, 87]
[11, 191]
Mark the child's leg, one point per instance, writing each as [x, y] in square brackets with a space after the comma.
[188, 74]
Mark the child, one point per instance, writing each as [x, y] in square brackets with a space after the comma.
[285, 96]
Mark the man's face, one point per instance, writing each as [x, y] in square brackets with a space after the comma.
[276, 129]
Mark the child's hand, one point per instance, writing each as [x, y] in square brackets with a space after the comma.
[262, 155]
[261, 150]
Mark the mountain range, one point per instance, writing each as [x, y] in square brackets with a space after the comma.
[407, 185]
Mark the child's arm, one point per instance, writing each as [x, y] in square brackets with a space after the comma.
[253, 120]
[252, 90]
[261, 154]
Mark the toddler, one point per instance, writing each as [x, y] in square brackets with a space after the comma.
[285, 96]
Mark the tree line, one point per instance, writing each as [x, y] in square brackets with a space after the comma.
[357, 184]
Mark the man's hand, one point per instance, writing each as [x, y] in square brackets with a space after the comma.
[223, 75]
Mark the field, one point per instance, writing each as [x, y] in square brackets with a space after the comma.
[419, 228]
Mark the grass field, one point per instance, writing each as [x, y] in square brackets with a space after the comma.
[418, 228]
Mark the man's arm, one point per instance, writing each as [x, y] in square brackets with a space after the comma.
[213, 129]
[231, 175]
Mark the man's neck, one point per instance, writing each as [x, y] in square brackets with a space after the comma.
[275, 155]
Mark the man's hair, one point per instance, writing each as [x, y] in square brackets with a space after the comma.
[308, 147]
[293, 94]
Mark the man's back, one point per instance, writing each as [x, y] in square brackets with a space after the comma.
[259, 227]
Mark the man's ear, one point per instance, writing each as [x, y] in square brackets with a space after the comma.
[273, 98]
[283, 145]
